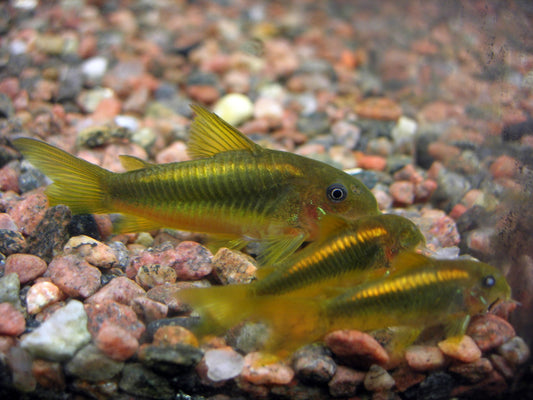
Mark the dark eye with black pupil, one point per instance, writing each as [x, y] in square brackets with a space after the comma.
[489, 281]
[336, 192]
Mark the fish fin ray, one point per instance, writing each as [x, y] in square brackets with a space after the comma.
[329, 224]
[76, 183]
[132, 163]
[274, 249]
[210, 135]
[410, 259]
[132, 223]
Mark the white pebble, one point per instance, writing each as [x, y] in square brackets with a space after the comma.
[94, 68]
[128, 122]
[234, 108]
[41, 295]
[223, 364]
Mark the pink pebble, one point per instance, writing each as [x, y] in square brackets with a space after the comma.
[74, 276]
[28, 212]
[116, 342]
[6, 222]
[12, 322]
[260, 370]
[28, 267]
[464, 350]
[121, 289]
[403, 192]
[504, 167]
[424, 358]
[9, 179]
[356, 346]
[375, 163]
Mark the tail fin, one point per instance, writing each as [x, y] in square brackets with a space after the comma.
[77, 183]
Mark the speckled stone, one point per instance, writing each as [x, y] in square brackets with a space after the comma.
[9, 290]
[12, 322]
[42, 294]
[114, 313]
[490, 331]
[140, 381]
[74, 276]
[148, 310]
[169, 358]
[313, 364]
[120, 289]
[233, 267]
[11, 242]
[115, 342]
[6, 222]
[345, 382]
[167, 294]
[425, 358]
[91, 364]
[26, 266]
[171, 335]
[260, 369]
[474, 371]
[153, 275]
[357, 348]
[378, 379]
[94, 252]
[465, 350]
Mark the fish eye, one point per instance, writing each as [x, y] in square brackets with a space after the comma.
[488, 281]
[336, 192]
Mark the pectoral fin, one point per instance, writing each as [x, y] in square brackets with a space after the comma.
[275, 249]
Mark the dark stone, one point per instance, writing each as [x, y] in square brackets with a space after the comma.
[313, 364]
[11, 242]
[515, 132]
[84, 224]
[202, 78]
[314, 124]
[6, 106]
[70, 84]
[186, 322]
[31, 179]
[437, 386]
[51, 234]
[140, 381]
[422, 157]
[450, 190]
[368, 177]
[169, 359]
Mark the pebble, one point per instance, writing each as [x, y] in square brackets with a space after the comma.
[93, 69]
[234, 108]
[168, 295]
[153, 275]
[473, 372]
[74, 276]
[19, 363]
[91, 364]
[261, 369]
[465, 350]
[438, 385]
[148, 310]
[404, 133]
[12, 322]
[425, 358]
[171, 335]
[402, 192]
[49, 375]
[345, 382]
[8, 175]
[504, 167]
[7, 223]
[356, 347]
[110, 312]
[313, 364]
[378, 379]
[94, 252]
[406, 378]
[140, 381]
[269, 109]
[9, 290]
[115, 342]
[233, 267]
[169, 359]
[26, 266]
[42, 294]
[346, 134]
[383, 109]
[439, 229]
[374, 163]
[489, 331]
[11, 242]
[223, 364]
[61, 335]
[515, 351]
[120, 289]
[313, 124]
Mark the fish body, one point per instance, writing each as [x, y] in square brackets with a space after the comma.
[344, 250]
[233, 189]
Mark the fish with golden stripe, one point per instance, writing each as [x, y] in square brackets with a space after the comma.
[232, 189]
[420, 292]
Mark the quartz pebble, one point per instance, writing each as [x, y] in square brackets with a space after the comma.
[61, 335]
[42, 294]
[356, 347]
[28, 267]
[261, 369]
[464, 350]
[223, 364]
[234, 108]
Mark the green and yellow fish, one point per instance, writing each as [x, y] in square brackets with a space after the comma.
[344, 247]
[419, 293]
[233, 189]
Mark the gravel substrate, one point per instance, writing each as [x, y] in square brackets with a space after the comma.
[429, 103]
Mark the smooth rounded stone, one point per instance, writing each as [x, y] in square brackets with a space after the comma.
[504, 167]
[450, 190]
[153, 275]
[61, 335]
[9, 290]
[188, 322]
[436, 386]
[379, 147]
[89, 100]
[110, 312]
[51, 234]
[9, 178]
[91, 364]
[169, 358]
[94, 252]
[464, 350]
[70, 84]
[12, 322]
[403, 192]
[438, 228]
[356, 347]
[74, 276]
[140, 381]
[473, 372]
[233, 267]
[515, 350]
[378, 379]
[115, 342]
[223, 364]
[490, 331]
[313, 364]
[94, 69]
[262, 369]
[342, 156]
[49, 375]
[480, 241]
[40, 295]
[144, 137]
[269, 109]
[120, 289]
[234, 108]
[346, 134]
[148, 310]
[370, 162]
[345, 381]
[249, 337]
[404, 133]
[170, 335]
[29, 211]
[19, 362]
[28, 267]
[313, 124]
[425, 358]
[11, 242]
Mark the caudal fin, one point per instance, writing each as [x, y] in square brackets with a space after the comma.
[76, 182]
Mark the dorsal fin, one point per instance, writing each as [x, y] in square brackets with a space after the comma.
[131, 163]
[331, 224]
[410, 259]
[210, 135]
